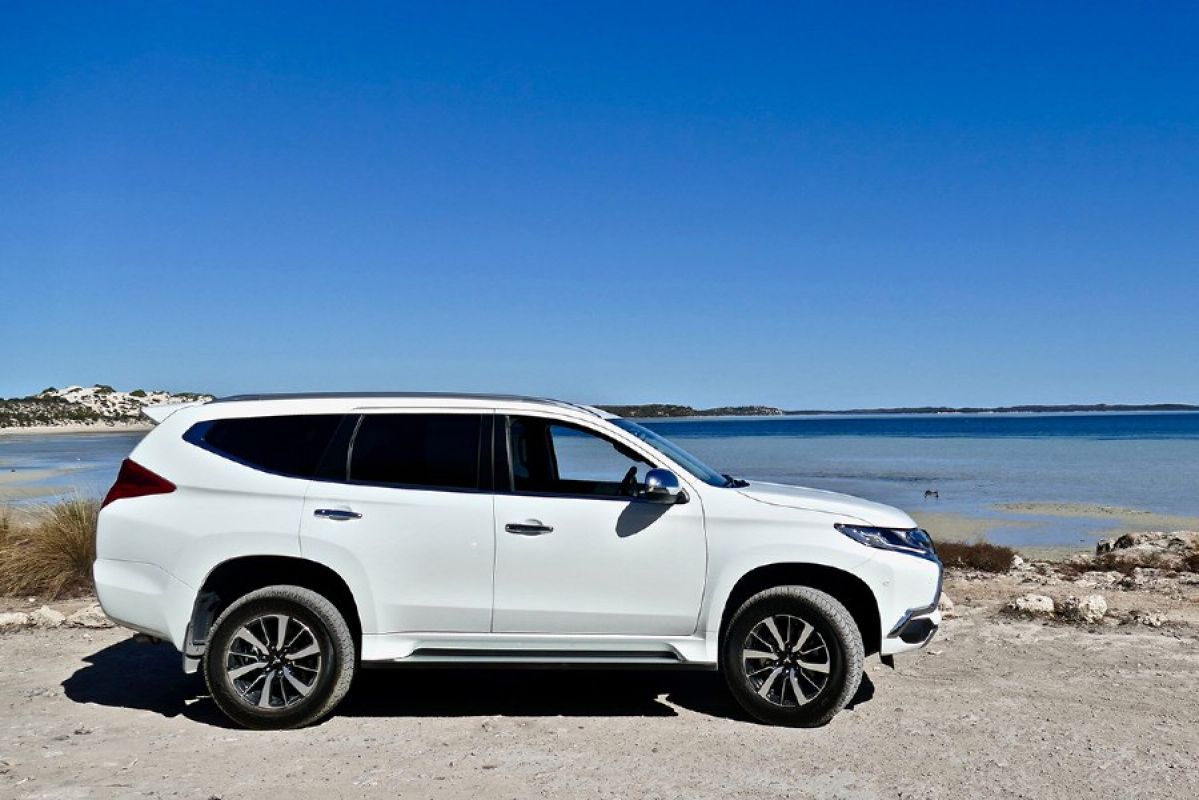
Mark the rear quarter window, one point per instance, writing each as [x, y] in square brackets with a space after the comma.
[436, 451]
[284, 445]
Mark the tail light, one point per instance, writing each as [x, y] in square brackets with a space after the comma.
[134, 480]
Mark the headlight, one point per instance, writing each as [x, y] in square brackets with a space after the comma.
[911, 540]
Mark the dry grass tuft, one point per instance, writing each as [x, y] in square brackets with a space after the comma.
[51, 555]
[6, 527]
[976, 555]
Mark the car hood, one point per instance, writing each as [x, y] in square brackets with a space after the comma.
[864, 511]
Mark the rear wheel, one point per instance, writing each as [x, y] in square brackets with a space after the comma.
[280, 657]
[793, 656]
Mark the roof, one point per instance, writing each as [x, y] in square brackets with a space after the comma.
[475, 397]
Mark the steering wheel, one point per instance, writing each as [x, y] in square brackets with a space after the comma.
[628, 486]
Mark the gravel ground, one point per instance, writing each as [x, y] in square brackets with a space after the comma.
[993, 708]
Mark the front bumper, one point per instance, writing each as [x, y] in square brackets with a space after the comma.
[916, 626]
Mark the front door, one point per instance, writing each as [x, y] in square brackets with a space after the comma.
[577, 552]
[409, 520]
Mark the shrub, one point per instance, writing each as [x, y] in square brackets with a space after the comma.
[52, 554]
[976, 555]
[138, 393]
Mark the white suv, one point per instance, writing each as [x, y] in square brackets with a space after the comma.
[281, 541]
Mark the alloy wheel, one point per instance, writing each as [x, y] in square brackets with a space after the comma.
[786, 660]
[273, 661]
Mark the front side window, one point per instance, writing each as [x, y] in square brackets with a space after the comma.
[680, 456]
[289, 445]
[551, 457]
[438, 451]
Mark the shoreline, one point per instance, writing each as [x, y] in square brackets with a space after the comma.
[78, 428]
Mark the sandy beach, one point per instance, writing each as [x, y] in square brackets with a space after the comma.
[994, 706]
[77, 428]
[14, 484]
[953, 527]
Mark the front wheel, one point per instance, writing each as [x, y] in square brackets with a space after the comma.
[793, 656]
[279, 657]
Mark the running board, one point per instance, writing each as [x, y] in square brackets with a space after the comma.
[540, 661]
[514, 649]
[552, 656]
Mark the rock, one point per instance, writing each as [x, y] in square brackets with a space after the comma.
[1032, 605]
[90, 617]
[1089, 609]
[1018, 562]
[14, 621]
[1152, 548]
[945, 606]
[46, 617]
[1153, 619]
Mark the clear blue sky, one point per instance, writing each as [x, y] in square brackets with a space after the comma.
[959, 203]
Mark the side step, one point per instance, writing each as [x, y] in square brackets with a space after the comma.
[592, 659]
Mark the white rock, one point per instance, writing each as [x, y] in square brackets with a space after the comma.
[14, 621]
[1018, 562]
[1034, 604]
[90, 617]
[945, 606]
[1154, 619]
[46, 617]
[1088, 609]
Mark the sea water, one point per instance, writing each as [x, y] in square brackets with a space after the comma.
[1146, 461]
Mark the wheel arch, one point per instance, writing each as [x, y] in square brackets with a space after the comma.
[237, 577]
[847, 588]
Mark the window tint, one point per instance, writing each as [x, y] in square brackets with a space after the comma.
[287, 445]
[550, 457]
[434, 450]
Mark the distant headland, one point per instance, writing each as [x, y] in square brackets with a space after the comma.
[662, 410]
[100, 407]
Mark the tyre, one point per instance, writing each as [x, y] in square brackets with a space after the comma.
[792, 656]
[279, 657]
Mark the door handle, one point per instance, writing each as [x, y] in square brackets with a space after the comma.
[528, 528]
[336, 513]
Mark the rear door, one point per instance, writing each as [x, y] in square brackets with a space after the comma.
[408, 518]
[576, 552]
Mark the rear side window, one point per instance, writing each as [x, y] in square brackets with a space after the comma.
[286, 445]
[438, 451]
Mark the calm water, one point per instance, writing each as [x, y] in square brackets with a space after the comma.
[1143, 461]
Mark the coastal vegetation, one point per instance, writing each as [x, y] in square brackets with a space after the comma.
[982, 556]
[48, 551]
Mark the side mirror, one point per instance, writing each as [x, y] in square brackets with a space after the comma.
[662, 486]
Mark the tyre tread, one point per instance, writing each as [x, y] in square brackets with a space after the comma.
[338, 630]
[837, 616]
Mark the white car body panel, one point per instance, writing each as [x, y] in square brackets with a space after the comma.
[436, 577]
[608, 567]
[427, 562]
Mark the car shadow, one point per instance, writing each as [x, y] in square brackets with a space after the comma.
[147, 677]
[143, 677]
